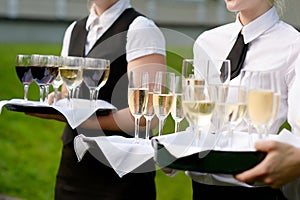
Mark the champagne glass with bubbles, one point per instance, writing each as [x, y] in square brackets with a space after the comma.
[137, 97]
[177, 111]
[163, 96]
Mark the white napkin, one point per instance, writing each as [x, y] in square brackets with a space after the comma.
[80, 111]
[123, 154]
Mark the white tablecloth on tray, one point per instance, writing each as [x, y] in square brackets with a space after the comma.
[80, 111]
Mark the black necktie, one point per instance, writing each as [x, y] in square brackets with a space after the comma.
[237, 56]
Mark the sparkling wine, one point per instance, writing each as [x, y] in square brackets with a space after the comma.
[260, 106]
[149, 111]
[198, 113]
[231, 113]
[137, 100]
[162, 104]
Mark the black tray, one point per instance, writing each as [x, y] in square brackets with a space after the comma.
[225, 162]
[44, 109]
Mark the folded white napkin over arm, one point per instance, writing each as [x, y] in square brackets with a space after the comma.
[123, 154]
[75, 115]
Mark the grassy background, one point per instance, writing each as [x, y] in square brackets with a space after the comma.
[30, 147]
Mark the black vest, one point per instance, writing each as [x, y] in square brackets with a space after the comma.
[112, 46]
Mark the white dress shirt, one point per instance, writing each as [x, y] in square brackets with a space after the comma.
[143, 36]
[271, 46]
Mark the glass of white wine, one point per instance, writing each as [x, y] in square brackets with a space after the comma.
[71, 74]
[177, 111]
[137, 97]
[262, 101]
[231, 108]
[163, 96]
[198, 102]
[95, 74]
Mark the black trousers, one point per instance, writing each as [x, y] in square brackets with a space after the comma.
[90, 179]
[212, 192]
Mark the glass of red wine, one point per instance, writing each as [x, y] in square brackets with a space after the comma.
[43, 71]
[23, 70]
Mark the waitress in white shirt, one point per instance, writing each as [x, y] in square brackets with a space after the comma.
[270, 46]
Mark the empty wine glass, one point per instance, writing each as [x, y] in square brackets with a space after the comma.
[198, 102]
[95, 75]
[23, 70]
[71, 74]
[163, 96]
[137, 97]
[177, 111]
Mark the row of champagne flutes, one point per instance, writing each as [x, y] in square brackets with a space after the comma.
[46, 70]
[209, 99]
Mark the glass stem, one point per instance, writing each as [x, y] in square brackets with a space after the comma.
[46, 93]
[42, 93]
[92, 99]
[160, 125]
[148, 128]
[177, 126]
[26, 86]
[137, 127]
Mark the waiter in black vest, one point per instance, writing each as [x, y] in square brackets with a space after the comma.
[115, 31]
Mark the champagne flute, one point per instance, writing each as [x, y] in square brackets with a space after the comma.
[57, 82]
[177, 111]
[53, 68]
[95, 75]
[163, 96]
[231, 109]
[261, 100]
[149, 111]
[198, 102]
[71, 74]
[137, 97]
[23, 70]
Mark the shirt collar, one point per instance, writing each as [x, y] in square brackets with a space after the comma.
[257, 27]
[108, 17]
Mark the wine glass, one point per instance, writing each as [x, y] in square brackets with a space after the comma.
[231, 108]
[57, 82]
[41, 69]
[71, 74]
[137, 97]
[95, 75]
[163, 96]
[149, 110]
[23, 70]
[189, 73]
[198, 102]
[261, 100]
[53, 68]
[177, 111]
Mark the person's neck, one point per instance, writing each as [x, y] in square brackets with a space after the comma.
[247, 16]
[103, 6]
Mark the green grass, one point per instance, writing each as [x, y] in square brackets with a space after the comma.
[30, 147]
